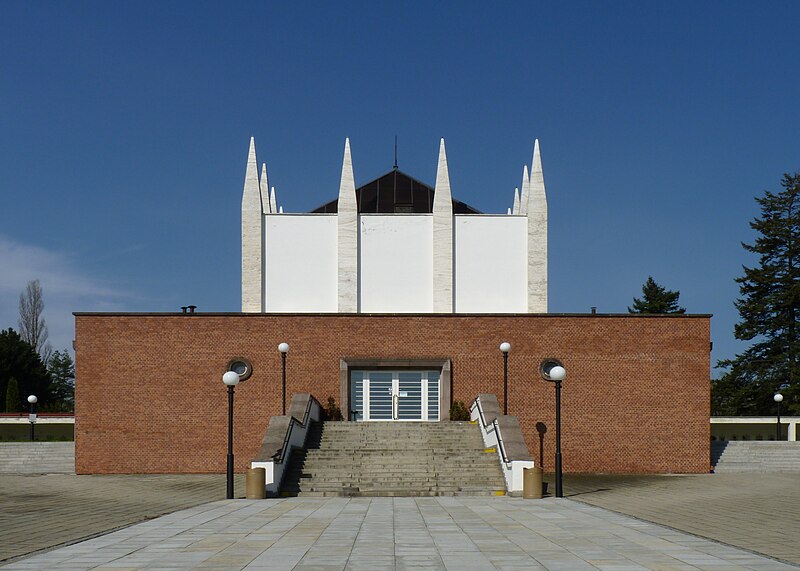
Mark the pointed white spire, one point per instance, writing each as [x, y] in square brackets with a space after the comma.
[537, 236]
[509, 211]
[442, 237]
[515, 210]
[537, 199]
[347, 183]
[252, 242]
[280, 210]
[347, 246]
[273, 203]
[442, 199]
[263, 186]
[526, 188]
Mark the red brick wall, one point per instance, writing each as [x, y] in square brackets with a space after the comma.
[149, 395]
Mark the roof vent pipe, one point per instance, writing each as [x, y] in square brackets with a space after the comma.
[183, 309]
[192, 308]
[594, 310]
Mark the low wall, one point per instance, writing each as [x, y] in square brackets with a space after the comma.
[37, 458]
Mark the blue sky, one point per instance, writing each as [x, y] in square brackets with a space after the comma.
[124, 130]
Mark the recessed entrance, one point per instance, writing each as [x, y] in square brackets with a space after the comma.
[410, 395]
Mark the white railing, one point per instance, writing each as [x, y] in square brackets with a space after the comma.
[493, 438]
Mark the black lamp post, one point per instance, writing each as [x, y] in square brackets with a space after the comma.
[505, 347]
[554, 372]
[778, 398]
[231, 379]
[32, 416]
[284, 348]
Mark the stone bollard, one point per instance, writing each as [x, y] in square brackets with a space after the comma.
[532, 483]
[256, 484]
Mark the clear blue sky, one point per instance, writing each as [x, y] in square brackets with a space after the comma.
[124, 130]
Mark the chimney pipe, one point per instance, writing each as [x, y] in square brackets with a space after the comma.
[594, 310]
[192, 308]
[183, 309]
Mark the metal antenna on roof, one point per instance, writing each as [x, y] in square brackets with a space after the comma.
[395, 152]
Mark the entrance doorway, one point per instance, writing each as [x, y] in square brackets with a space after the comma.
[400, 395]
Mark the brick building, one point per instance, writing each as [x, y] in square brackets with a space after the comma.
[397, 302]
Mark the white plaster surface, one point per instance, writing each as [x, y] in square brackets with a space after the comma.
[395, 263]
[300, 262]
[491, 269]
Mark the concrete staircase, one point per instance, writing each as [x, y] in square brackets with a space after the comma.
[755, 456]
[37, 457]
[394, 459]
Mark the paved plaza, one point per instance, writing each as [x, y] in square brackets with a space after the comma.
[458, 533]
[755, 512]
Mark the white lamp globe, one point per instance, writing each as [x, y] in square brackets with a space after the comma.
[231, 378]
[558, 373]
[283, 347]
[778, 397]
[505, 346]
[32, 399]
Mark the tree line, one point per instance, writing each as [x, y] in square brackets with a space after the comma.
[28, 364]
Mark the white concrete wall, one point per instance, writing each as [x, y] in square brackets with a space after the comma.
[300, 263]
[396, 263]
[491, 264]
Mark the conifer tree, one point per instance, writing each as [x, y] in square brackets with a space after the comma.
[769, 309]
[13, 402]
[62, 382]
[656, 299]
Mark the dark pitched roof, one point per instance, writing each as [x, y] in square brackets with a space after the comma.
[395, 192]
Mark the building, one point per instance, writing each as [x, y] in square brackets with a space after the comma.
[394, 298]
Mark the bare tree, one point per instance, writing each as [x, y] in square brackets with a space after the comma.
[32, 327]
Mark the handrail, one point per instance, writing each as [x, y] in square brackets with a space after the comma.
[495, 428]
[281, 454]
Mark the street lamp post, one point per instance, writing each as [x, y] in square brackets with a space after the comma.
[555, 373]
[32, 416]
[505, 347]
[231, 379]
[778, 398]
[284, 348]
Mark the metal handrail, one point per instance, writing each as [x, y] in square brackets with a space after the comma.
[495, 427]
[292, 421]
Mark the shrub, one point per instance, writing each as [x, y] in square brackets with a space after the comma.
[459, 411]
[332, 410]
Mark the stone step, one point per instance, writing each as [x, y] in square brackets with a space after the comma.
[394, 459]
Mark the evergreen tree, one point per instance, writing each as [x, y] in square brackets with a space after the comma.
[62, 382]
[19, 360]
[13, 403]
[769, 309]
[656, 299]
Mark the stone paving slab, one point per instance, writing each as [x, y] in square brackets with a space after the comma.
[458, 533]
[41, 511]
[759, 512]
